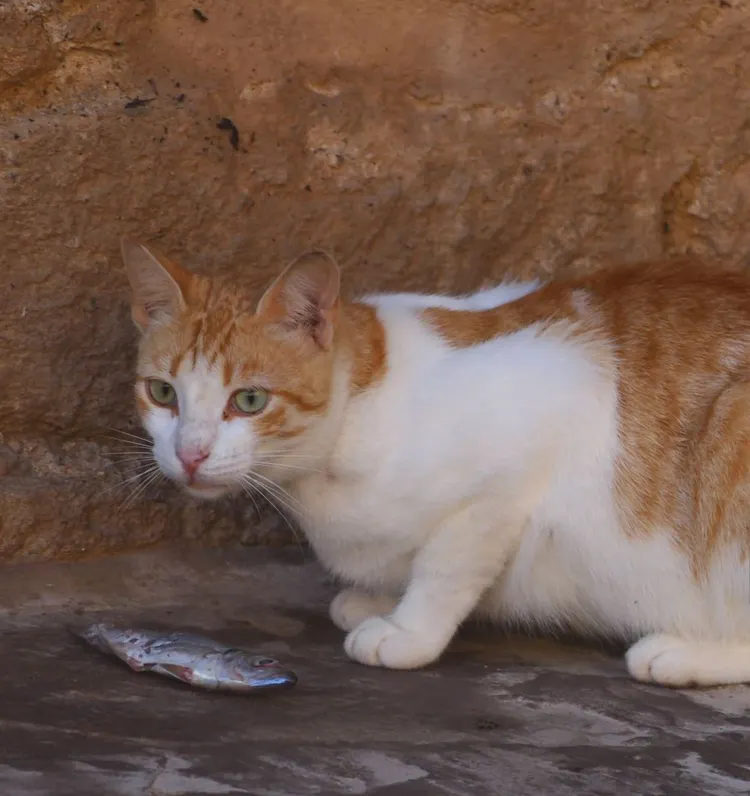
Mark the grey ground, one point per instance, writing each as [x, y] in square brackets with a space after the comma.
[495, 716]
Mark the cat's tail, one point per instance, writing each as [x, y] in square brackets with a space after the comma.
[681, 663]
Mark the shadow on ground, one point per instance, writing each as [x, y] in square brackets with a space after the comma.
[496, 716]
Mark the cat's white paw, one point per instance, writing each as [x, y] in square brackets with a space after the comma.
[378, 641]
[683, 663]
[350, 607]
[665, 660]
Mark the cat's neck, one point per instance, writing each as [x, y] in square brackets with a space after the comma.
[360, 363]
[361, 345]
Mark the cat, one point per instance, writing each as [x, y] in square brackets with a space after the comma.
[566, 455]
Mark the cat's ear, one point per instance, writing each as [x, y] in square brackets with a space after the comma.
[159, 286]
[305, 298]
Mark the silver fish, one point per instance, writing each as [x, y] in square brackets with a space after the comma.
[191, 659]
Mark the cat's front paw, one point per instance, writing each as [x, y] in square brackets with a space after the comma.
[350, 607]
[378, 641]
[672, 662]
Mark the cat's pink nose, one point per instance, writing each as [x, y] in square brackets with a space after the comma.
[191, 459]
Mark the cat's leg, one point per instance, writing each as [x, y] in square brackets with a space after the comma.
[679, 663]
[350, 607]
[721, 487]
[465, 555]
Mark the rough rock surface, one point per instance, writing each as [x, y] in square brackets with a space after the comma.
[432, 144]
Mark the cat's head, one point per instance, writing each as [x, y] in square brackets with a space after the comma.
[230, 390]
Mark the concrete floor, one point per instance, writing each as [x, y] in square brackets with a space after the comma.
[496, 716]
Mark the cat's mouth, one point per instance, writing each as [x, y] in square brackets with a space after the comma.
[201, 486]
[205, 491]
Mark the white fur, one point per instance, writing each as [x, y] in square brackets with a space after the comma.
[480, 481]
[237, 457]
[202, 398]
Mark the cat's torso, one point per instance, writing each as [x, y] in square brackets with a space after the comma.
[448, 425]
[575, 454]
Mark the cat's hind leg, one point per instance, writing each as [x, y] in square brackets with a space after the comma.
[722, 505]
[681, 663]
[350, 607]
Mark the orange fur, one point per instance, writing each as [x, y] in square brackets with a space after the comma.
[220, 324]
[680, 334]
[143, 405]
[368, 343]
[275, 423]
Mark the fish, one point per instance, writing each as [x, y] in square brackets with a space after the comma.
[196, 660]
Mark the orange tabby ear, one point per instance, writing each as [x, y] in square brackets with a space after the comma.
[159, 286]
[304, 298]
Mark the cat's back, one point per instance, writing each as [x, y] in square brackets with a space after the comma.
[653, 344]
[677, 301]
[679, 330]
[670, 335]
[629, 304]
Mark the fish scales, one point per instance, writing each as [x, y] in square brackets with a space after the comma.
[196, 660]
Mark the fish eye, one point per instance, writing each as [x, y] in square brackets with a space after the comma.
[161, 392]
[249, 402]
[265, 662]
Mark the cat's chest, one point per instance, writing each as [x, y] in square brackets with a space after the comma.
[355, 529]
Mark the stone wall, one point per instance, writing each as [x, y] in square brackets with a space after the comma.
[433, 144]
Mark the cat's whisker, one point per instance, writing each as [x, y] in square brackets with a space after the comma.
[270, 488]
[279, 489]
[293, 467]
[128, 442]
[119, 464]
[127, 433]
[237, 480]
[301, 469]
[274, 497]
[144, 463]
[128, 447]
[288, 452]
[128, 456]
[131, 451]
[131, 474]
[131, 445]
[250, 483]
[288, 455]
[127, 460]
[142, 467]
[149, 478]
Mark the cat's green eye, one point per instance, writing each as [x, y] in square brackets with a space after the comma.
[250, 402]
[162, 392]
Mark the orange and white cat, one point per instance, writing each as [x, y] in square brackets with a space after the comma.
[573, 455]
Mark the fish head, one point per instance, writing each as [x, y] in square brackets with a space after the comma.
[260, 672]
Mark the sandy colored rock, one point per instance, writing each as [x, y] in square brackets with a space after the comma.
[434, 144]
